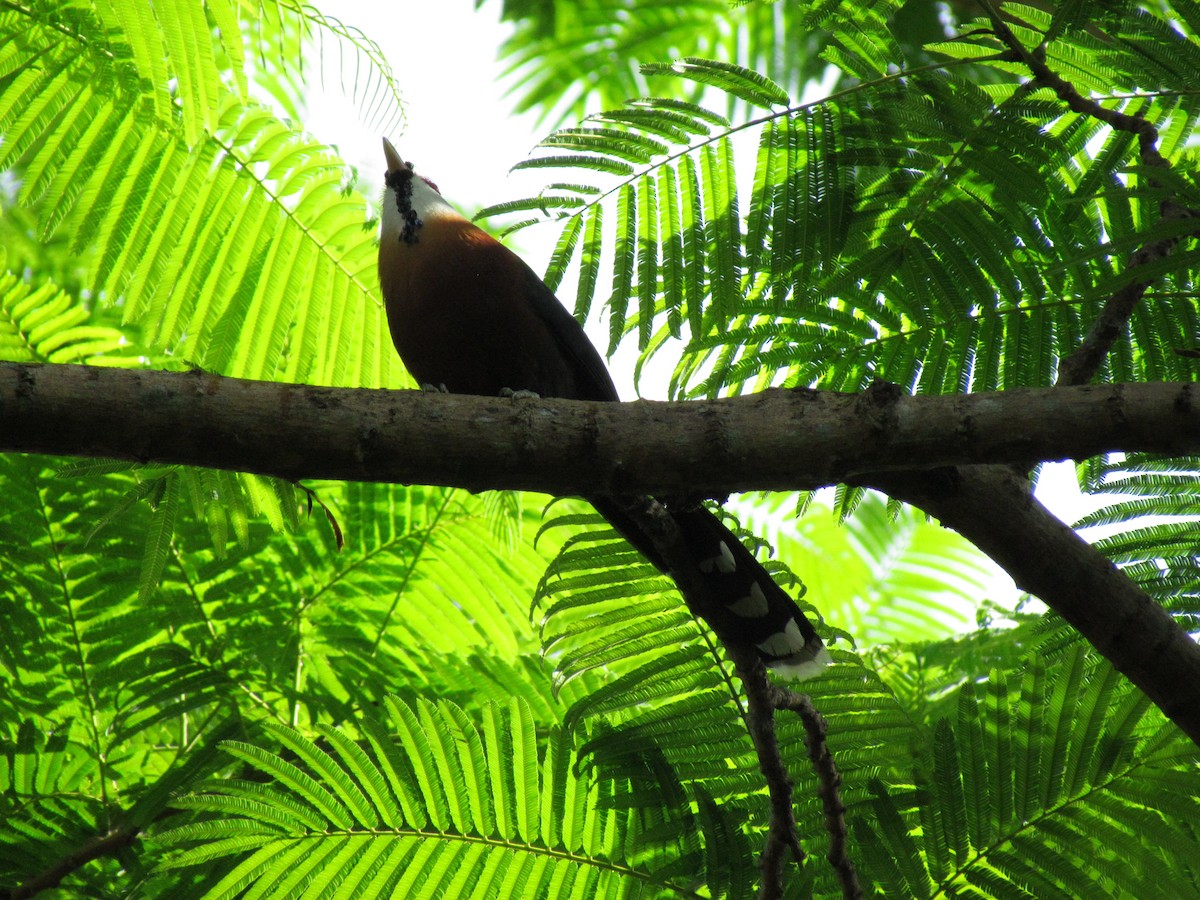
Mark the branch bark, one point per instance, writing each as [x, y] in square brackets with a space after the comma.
[777, 440]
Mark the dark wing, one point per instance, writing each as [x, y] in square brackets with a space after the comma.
[591, 374]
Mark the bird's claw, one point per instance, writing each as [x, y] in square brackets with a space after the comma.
[434, 388]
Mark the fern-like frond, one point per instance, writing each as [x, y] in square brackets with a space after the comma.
[56, 797]
[862, 42]
[566, 57]
[48, 798]
[884, 236]
[226, 236]
[884, 576]
[222, 500]
[418, 596]
[743, 83]
[45, 324]
[1032, 772]
[216, 233]
[355, 813]
[1150, 524]
[297, 45]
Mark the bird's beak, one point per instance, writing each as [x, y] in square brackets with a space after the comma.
[394, 162]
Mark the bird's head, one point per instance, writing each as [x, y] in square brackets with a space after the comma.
[409, 200]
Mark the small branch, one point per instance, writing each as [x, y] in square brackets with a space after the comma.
[1085, 361]
[783, 839]
[830, 790]
[110, 843]
[1083, 364]
[1035, 62]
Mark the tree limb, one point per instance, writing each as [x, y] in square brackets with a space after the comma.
[992, 507]
[776, 440]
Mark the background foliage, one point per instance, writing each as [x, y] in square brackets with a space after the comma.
[201, 694]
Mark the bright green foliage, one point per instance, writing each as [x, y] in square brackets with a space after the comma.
[290, 630]
[566, 56]
[885, 235]
[46, 325]
[1047, 782]
[192, 213]
[886, 576]
[201, 211]
[426, 804]
[467, 698]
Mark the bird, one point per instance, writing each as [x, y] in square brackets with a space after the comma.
[469, 316]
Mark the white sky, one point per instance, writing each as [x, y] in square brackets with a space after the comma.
[443, 54]
[459, 130]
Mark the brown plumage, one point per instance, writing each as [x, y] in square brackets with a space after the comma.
[467, 313]
[467, 294]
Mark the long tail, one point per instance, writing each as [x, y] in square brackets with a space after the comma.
[746, 605]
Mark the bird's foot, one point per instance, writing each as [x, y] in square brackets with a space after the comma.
[434, 388]
[519, 395]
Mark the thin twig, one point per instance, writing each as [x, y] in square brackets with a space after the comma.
[830, 788]
[110, 843]
[1036, 63]
[783, 838]
[1083, 364]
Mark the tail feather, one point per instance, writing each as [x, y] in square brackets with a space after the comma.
[743, 603]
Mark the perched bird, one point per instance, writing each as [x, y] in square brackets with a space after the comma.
[468, 316]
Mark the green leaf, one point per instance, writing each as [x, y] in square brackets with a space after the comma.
[744, 83]
[165, 501]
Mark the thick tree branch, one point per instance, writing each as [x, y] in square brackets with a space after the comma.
[993, 508]
[777, 440]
